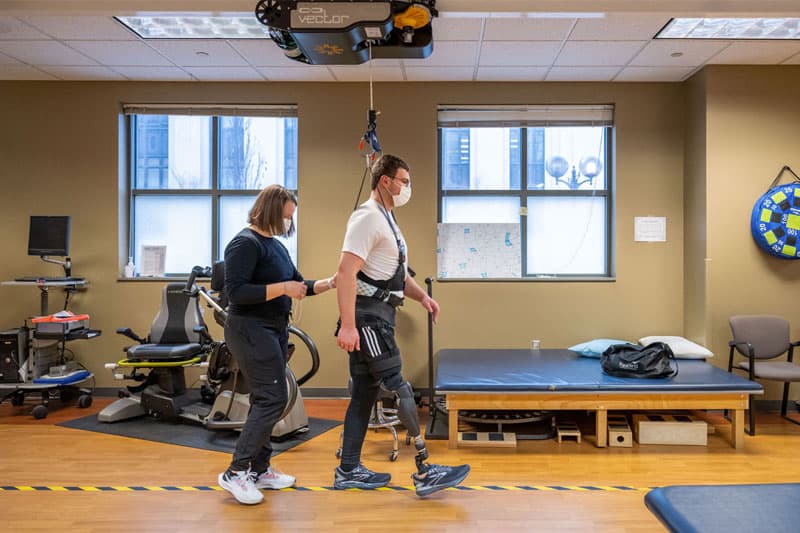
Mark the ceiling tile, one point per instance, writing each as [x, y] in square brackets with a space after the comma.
[6, 60]
[448, 54]
[297, 73]
[23, 72]
[756, 53]
[654, 74]
[14, 29]
[456, 29]
[511, 73]
[526, 29]
[694, 53]
[128, 53]
[500, 53]
[262, 53]
[362, 73]
[225, 73]
[598, 53]
[190, 53]
[44, 53]
[582, 73]
[83, 73]
[82, 27]
[154, 73]
[439, 73]
[386, 62]
[619, 27]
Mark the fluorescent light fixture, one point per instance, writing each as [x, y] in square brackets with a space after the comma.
[731, 28]
[194, 26]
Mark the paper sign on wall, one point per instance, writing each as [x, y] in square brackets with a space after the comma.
[650, 229]
[154, 260]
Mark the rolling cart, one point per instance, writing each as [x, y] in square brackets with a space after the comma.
[33, 363]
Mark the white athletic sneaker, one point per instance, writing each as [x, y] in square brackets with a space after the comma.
[242, 485]
[273, 479]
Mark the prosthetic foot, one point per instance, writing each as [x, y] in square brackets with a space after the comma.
[430, 477]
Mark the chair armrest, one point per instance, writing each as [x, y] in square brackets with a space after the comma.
[795, 343]
[128, 332]
[749, 346]
[750, 357]
[204, 334]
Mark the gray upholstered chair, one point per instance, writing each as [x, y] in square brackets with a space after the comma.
[761, 339]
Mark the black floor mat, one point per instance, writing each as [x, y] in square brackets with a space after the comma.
[194, 436]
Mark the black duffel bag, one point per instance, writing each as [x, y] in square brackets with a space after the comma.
[655, 360]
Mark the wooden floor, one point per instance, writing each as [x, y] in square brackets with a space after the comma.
[37, 452]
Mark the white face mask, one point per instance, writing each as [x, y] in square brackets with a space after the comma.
[287, 225]
[403, 197]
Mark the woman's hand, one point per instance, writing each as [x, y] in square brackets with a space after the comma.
[332, 280]
[294, 289]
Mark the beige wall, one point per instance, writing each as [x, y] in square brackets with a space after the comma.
[59, 149]
[694, 212]
[753, 118]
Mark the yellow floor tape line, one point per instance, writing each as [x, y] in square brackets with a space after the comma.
[391, 488]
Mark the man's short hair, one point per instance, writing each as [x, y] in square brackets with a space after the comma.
[387, 165]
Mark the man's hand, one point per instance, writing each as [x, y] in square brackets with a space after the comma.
[430, 306]
[348, 339]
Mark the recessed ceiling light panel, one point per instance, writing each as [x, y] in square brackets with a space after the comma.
[193, 26]
[731, 28]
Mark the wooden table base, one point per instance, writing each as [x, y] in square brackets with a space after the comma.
[601, 403]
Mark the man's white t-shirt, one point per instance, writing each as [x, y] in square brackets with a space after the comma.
[370, 237]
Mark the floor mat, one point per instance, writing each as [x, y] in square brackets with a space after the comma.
[190, 435]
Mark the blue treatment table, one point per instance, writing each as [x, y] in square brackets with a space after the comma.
[726, 508]
[501, 379]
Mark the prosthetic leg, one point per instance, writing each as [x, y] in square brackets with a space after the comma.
[407, 413]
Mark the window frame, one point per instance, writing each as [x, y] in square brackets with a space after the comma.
[216, 193]
[524, 193]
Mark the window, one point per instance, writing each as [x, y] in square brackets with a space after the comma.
[195, 173]
[539, 177]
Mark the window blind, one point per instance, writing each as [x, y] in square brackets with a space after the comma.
[516, 116]
[236, 110]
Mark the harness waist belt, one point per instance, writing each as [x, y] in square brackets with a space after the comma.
[384, 295]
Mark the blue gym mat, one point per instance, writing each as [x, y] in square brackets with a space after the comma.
[772, 508]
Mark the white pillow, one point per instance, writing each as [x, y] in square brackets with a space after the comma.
[682, 348]
[595, 348]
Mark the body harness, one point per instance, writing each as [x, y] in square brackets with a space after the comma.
[383, 290]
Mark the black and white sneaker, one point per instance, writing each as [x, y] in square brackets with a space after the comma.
[360, 477]
[439, 477]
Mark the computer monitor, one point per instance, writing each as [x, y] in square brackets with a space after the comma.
[49, 236]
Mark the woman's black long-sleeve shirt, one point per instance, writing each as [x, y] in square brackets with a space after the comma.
[253, 261]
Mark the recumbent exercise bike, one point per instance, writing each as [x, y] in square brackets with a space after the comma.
[178, 339]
